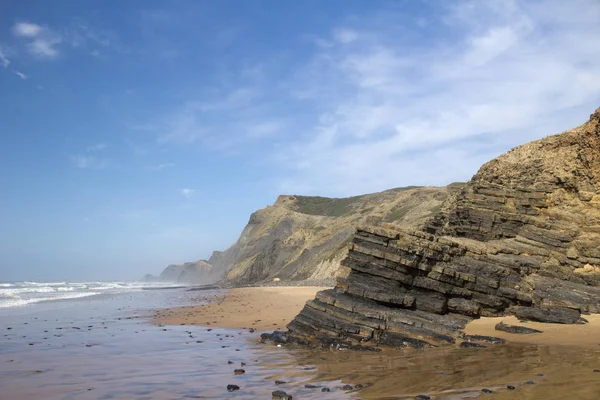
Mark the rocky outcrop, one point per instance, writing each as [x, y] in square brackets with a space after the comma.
[306, 238]
[198, 273]
[521, 238]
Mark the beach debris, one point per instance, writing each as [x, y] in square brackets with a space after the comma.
[232, 388]
[280, 395]
[521, 330]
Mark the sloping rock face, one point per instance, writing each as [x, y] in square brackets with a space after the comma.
[521, 238]
[306, 237]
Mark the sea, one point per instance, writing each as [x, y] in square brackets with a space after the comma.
[97, 340]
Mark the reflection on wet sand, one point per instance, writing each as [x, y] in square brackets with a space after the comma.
[536, 372]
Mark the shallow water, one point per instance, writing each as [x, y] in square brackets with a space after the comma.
[117, 354]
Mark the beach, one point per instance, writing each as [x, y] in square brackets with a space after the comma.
[181, 344]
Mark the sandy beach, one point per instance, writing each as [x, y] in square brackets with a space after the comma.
[261, 308]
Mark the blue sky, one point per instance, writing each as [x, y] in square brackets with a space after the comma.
[141, 133]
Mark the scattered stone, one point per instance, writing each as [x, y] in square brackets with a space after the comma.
[597, 370]
[358, 386]
[510, 387]
[239, 371]
[529, 383]
[231, 388]
[280, 382]
[539, 374]
[325, 389]
[422, 397]
[486, 391]
[521, 330]
[309, 386]
[230, 362]
[471, 345]
[347, 387]
[280, 395]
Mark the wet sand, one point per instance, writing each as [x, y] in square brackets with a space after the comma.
[261, 308]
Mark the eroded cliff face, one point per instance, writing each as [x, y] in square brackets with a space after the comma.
[306, 238]
[522, 237]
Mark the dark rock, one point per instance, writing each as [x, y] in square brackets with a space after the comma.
[358, 386]
[487, 339]
[422, 397]
[597, 370]
[486, 391]
[471, 345]
[309, 386]
[539, 374]
[347, 387]
[325, 389]
[557, 315]
[510, 387]
[280, 395]
[275, 337]
[239, 371]
[280, 382]
[529, 383]
[522, 330]
[232, 388]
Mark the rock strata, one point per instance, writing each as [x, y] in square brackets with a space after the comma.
[521, 238]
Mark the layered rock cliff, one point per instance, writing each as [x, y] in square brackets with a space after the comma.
[522, 237]
[305, 238]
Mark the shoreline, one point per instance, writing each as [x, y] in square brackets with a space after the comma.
[272, 307]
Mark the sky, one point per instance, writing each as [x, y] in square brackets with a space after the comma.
[143, 133]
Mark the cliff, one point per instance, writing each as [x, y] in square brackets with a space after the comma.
[305, 238]
[199, 272]
[521, 238]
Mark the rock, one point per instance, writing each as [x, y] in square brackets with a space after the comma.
[358, 386]
[347, 387]
[503, 244]
[510, 387]
[422, 397]
[280, 382]
[471, 345]
[239, 371]
[529, 383]
[309, 386]
[280, 395]
[232, 388]
[325, 389]
[521, 330]
[486, 391]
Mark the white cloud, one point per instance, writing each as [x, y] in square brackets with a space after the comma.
[88, 162]
[42, 42]
[345, 35]
[395, 113]
[160, 167]
[4, 61]
[187, 193]
[20, 74]
[97, 147]
[26, 29]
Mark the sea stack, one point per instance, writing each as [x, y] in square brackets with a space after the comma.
[521, 238]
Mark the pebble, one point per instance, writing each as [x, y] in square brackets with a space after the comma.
[239, 371]
[486, 391]
[280, 382]
[529, 383]
[597, 370]
[325, 389]
[422, 397]
[231, 388]
[281, 395]
[309, 386]
[359, 386]
[539, 375]
[510, 387]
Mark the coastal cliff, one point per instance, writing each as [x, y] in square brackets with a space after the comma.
[199, 272]
[521, 238]
[306, 238]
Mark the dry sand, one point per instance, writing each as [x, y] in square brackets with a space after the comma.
[261, 308]
[553, 334]
[271, 308]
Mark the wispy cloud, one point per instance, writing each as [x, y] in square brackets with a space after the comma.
[89, 162]
[187, 193]
[96, 147]
[160, 167]
[42, 42]
[395, 112]
[20, 74]
[4, 61]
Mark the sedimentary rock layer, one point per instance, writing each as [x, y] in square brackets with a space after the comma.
[521, 238]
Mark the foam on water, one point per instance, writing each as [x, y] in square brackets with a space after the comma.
[13, 294]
